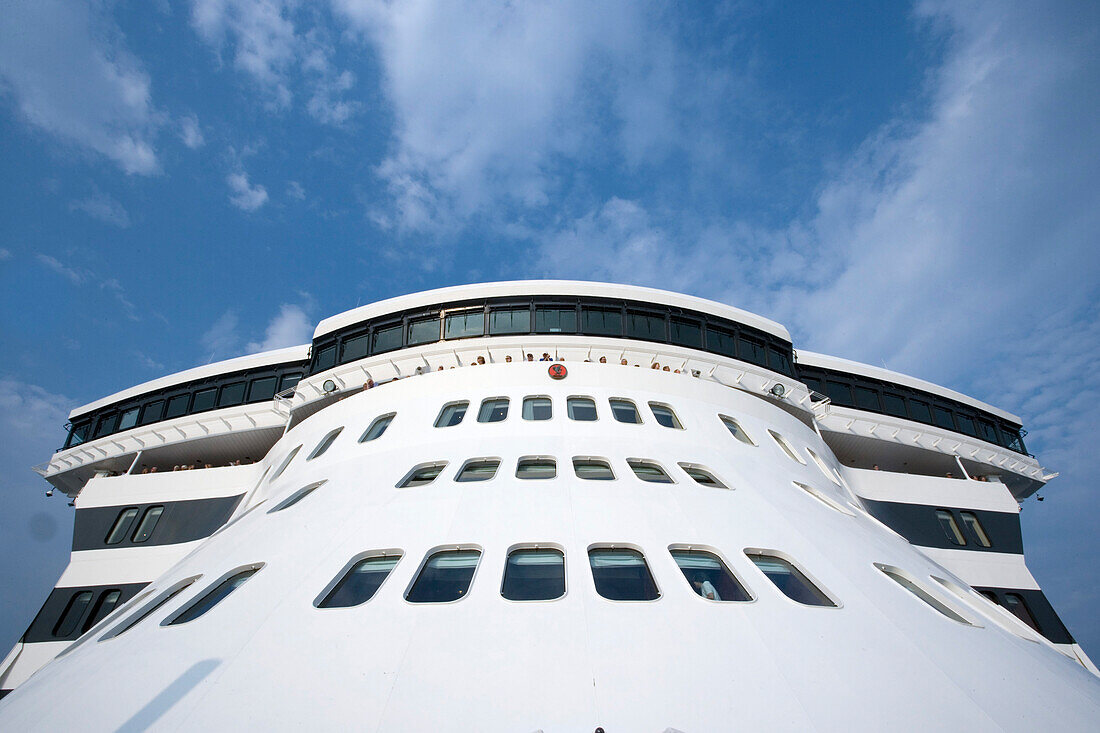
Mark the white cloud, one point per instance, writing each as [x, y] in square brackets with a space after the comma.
[191, 133]
[294, 190]
[4, 254]
[70, 74]
[103, 207]
[76, 277]
[291, 327]
[221, 340]
[246, 197]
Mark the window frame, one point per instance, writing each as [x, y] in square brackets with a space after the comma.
[536, 459]
[535, 546]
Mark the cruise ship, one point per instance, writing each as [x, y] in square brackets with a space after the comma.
[546, 506]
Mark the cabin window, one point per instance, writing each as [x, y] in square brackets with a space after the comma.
[582, 409]
[464, 325]
[74, 611]
[649, 471]
[1015, 603]
[451, 414]
[148, 523]
[445, 577]
[537, 408]
[536, 468]
[286, 462]
[325, 443]
[232, 394]
[108, 599]
[493, 410]
[555, 320]
[261, 390]
[149, 608]
[593, 469]
[708, 576]
[422, 475]
[664, 415]
[903, 579]
[152, 412]
[510, 320]
[787, 447]
[534, 574]
[213, 597]
[950, 527]
[736, 430]
[377, 427]
[204, 400]
[424, 331]
[789, 580]
[824, 498]
[625, 411]
[297, 496]
[702, 476]
[621, 574]
[122, 525]
[481, 469]
[177, 406]
[360, 582]
[971, 521]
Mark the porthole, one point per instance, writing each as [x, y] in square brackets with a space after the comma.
[493, 410]
[445, 576]
[451, 414]
[665, 416]
[537, 408]
[621, 574]
[708, 575]
[592, 469]
[148, 523]
[360, 580]
[536, 467]
[950, 527]
[534, 574]
[582, 409]
[625, 411]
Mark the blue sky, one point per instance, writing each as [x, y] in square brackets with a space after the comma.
[908, 185]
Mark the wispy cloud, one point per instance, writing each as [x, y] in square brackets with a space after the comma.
[291, 326]
[245, 196]
[294, 190]
[103, 207]
[5, 254]
[190, 132]
[72, 76]
[221, 340]
[76, 277]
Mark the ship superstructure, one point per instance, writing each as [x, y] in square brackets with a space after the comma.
[546, 505]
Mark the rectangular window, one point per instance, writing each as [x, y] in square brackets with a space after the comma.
[74, 611]
[814, 384]
[287, 381]
[122, 525]
[867, 399]
[445, 577]
[148, 523]
[601, 322]
[649, 471]
[177, 406]
[204, 399]
[424, 331]
[582, 409]
[534, 574]
[536, 468]
[966, 425]
[942, 418]
[326, 358]
[645, 326]
[212, 597]
[751, 351]
[136, 618]
[950, 527]
[686, 333]
[537, 408]
[987, 432]
[625, 411]
[550, 319]
[286, 463]
[920, 412]
[664, 415]
[789, 580]
[386, 339]
[152, 412]
[510, 320]
[721, 342]
[970, 519]
[355, 347]
[128, 418]
[78, 434]
[106, 425]
[621, 574]
[232, 394]
[894, 405]
[778, 361]
[451, 414]
[840, 393]
[1014, 602]
[361, 581]
[297, 496]
[108, 599]
[464, 325]
[708, 576]
[493, 410]
[593, 469]
[262, 389]
[481, 469]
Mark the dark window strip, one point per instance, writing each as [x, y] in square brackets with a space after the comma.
[44, 624]
[919, 524]
[181, 521]
[1050, 625]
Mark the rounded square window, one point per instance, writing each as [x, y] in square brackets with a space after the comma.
[422, 475]
[582, 409]
[664, 415]
[625, 411]
[702, 476]
[791, 581]
[537, 408]
[536, 467]
[377, 427]
[479, 469]
[621, 574]
[360, 581]
[451, 414]
[736, 430]
[494, 409]
[708, 576]
[592, 469]
[650, 471]
[534, 574]
[444, 577]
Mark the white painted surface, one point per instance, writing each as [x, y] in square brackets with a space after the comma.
[931, 490]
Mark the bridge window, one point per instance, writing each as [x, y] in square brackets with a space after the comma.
[867, 399]
[950, 527]
[593, 469]
[894, 405]
[549, 319]
[106, 425]
[451, 414]
[74, 611]
[261, 390]
[645, 326]
[325, 359]
[354, 347]
[789, 579]
[649, 471]
[288, 381]
[602, 322]
[325, 443]
[213, 597]
[686, 333]
[360, 582]
[122, 525]
[751, 351]
[152, 412]
[464, 325]
[582, 409]
[971, 521]
[920, 411]
[537, 408]
[445, 577]
[721, 342]
[621, 574]
[422, 475]
[424, 331]
[534, 574]
[177, 406]
[966, 425]
[536, 468]
[386, 339]
[664, 415]
[510, 320]
[377, 427]
[232, 394]
[478, 470]
[839, 393]
[148, 523]
[625, 411]
[493, 410]
[204, 400]
[708, 576]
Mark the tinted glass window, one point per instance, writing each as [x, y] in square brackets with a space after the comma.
[645, 326]
[386, 339]
[581, 408]
[908, 584]
[664, 415]
[106, 425]
[537, 408]
[736, 430]
[325, 444]
[232, 394]
[108, 599]
[702, 476]
[536, 468]
[894, 405]
[686, 333]
[708, 576]
[451, 414]
[920, 411]
[445, 577]
[966, 425]
[839, 393]
[621, 574]
[814, 384]
[1015, 602]
[78, 434]
[950, 527]
[262, 389]
[122, 525]
[212, 597]
[534, 575]
[721, 342]
[424, 331]
[867, 399]
[355, 347]
[289, 380]
[942, 418]
[593, 469]
[422, 476]
[297, 496]
[625, 411]
[555, 320]
[148, 523]
[377, 428]
[177, 406]
[751, 351]
[360, 582]
[649, 471]
[74, 611]
[971, 521]
[987, 432]
[478, 470]
[136, 618]
[602, 322]
[326, 359]
[788, 579]
[1012, 439]
[152, 412]
[204, 400]
[778, 361]
[493, 410]
[461, 325]
[517, 320]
